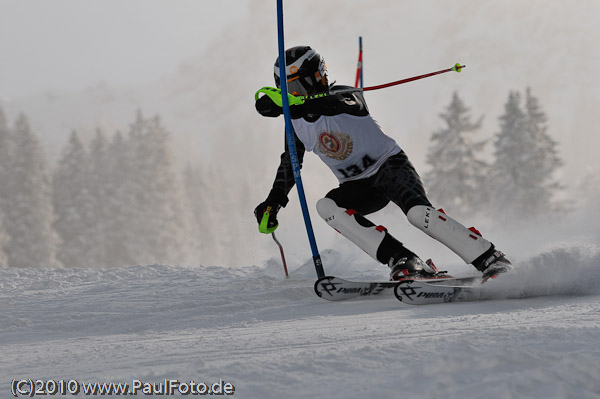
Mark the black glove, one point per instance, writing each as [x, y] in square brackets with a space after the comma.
[270, 224]
[266, 107]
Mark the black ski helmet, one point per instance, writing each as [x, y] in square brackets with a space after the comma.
[306, 71]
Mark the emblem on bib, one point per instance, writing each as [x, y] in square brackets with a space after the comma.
[335, 145]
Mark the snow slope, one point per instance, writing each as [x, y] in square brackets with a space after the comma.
[273, 338]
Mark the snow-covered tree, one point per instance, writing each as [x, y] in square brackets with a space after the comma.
[146, 218]
[75, 208]
[119, 203]
[196, 200]
[455, 180]
[209, 242]
[587, 190]
[545, 160]
[522, 181]
[99, 177]
[4, 240]
[29, 214]
[161, 225]
[5, 156]
[508, 173]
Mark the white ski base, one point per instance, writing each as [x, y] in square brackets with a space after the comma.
[338, 289]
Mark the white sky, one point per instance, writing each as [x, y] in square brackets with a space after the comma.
[71, 44]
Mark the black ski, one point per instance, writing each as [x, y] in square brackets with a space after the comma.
[421, 292]
[337, 289]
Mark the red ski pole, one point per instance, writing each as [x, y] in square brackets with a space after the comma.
[282, 255]
[455, 68]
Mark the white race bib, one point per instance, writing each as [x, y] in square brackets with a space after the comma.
[354, 147]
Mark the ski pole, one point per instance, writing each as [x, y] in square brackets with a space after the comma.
[456, 68]
[282, 255]
[263, 228]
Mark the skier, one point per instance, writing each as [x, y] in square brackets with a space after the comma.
[372, 170]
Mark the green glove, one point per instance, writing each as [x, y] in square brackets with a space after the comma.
[275, 96]
[266, 216]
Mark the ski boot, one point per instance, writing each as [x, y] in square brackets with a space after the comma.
[492, 264]
[413, 268]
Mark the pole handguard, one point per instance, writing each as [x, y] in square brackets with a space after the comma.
[264, 222]
[275, 95]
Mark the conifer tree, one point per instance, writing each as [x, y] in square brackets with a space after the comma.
[455, 180]
[119, 203]
[145, 200]
[4, 241]
[29, 217]
[99, 181]
[74, 207]
[5, 158]
[162, 224]
[522, 183]
[507, 177]
[138, 179]
[545, 160]
[197, 197]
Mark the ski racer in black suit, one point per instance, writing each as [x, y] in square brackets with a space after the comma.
[372, 170]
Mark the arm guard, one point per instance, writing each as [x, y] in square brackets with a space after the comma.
[284, 179]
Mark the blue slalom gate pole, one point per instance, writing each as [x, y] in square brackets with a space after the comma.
[289, 134]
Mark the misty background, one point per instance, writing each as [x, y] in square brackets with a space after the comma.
[106, 66]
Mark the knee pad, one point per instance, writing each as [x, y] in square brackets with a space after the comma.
[466, 243]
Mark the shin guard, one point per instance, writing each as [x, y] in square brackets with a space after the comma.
[374, 240]
[466, 243]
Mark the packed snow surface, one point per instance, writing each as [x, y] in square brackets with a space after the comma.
[270, 337]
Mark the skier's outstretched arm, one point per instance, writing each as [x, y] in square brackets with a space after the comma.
[352, 103]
